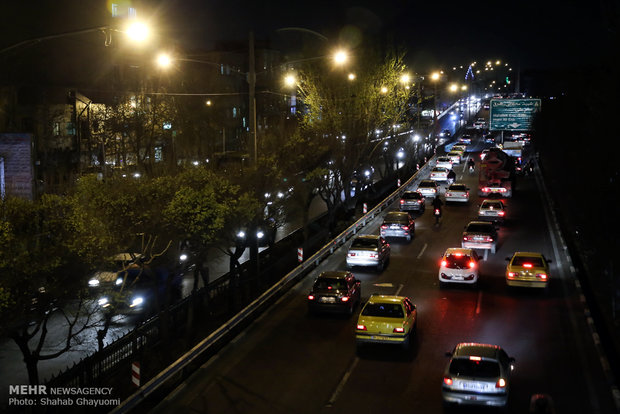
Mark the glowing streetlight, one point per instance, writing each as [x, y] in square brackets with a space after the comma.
[138, 31]
[454, 87]
[497, 62]
[464, 87]
[435, 76]
[405, 78]
[352, 76]
[340, 57]
[208, 102]
[290, 80]
[164, 60]
[384, 89]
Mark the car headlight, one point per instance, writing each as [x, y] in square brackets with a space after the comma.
[260, 234]
[241, 234]
[103, 302]
[93, 282]
[137, 301]
[119, 281]
[183, 257]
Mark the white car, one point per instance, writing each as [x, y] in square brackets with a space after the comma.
[439, 174]
[459, 265]
[455, 156]
[444, 162]
[428, 188]
[462, 148]
[457, 192]
[492, 210]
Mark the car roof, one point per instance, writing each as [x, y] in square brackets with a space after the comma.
[397, 214]
[483, 223]
[334, 274]
[386, 299]
[457, 185]
[368, 236]
[466, 349]
[453, 250]
[529, 254]
[428, 182]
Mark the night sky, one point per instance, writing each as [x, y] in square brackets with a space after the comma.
[537, 33]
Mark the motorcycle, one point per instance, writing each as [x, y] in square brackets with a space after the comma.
[437, 214]
[471, 168]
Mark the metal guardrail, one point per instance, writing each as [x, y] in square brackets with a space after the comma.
[150, 387]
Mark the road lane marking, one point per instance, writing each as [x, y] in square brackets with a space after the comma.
[478, 303]
[399, 289]
[422, 251]
[342, 383]
[383, 284]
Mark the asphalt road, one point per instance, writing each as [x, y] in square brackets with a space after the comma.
[291, 362]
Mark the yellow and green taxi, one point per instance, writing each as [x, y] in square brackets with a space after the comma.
[527, 269]
[386, 320]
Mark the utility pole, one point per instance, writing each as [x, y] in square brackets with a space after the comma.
[252, 97]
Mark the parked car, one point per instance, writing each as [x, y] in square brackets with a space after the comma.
[459, 265]
[412, 201]
[386, 319]
[335, 291]
[457, 193]
[527, 269]
[480, 235]
[477, 374]
[398, 224]
[368, 250]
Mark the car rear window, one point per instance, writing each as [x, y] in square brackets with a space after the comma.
[494, 204]
[427, 184]
[327, 283]
[364, 243]
[521, 260]
[471, 368]
[383, 310]
[457, 187]
[412, 196]
[479, 228]
[396, 217]
[457, 261]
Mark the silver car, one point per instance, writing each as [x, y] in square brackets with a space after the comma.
[398, 224]
[439, 174]
[444, 162]
[492, 210]
[455, 156]
[368, 250]
[480, 235]
[458, 193]
[428, 188]
[477, 374]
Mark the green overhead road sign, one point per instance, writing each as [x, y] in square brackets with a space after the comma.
[513, 114]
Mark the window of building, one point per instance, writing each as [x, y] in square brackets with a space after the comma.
[234, 112]
[70, 128]
[132, 12]
[56, 129]
[114, 8]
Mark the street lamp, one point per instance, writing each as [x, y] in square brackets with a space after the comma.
[290, 80]
[137, 31]
[352, 76]
[340, 57]
[435, 76]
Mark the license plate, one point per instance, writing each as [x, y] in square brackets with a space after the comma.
[328, 300]
[457, 277]
[474, 386]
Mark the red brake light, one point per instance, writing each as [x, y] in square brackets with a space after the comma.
[361, 327]
[444, 262]
[329, 287]
[458, 254]
[399, 330]
[405, 227]
[402, 201]
[501, 383]
[528, 265]
[373, 255]
[501, 213]
[420, 201]
[310, 297]
[511, 275]
[475, 358]
[384, 226]
[447, 380]
[472, 264]
[344, 298]
[543, 276]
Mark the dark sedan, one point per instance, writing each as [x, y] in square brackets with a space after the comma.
[335, 291]
[398, 224]
[412, 201]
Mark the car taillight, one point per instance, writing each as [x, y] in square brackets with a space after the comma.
[527, 265]
[501, 213]
[361, 327]
[511, 275]
[402, 201]
[420, 201]
[467, 194]
[448, 194]
[384, 226]
[351, 254]
[488, 239]
[310, 297]
[373, 255]
[472, 264]
[404, 227]
[344, 299]
[486, 189]
[444, 263]
[447, 380]
[399, 330]
[542, 276]
[501, 383]
[466, 238]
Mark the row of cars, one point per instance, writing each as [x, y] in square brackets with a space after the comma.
[476, 373]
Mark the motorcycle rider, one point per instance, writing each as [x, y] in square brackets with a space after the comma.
[437, 203]
[471, 164]
[451, 176]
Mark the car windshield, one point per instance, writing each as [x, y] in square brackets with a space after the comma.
[383, 310]
[521, 260]
[412, 196]
[458, 187]
[493, 204]
[460, 261]
[470, 368]
[328, 283]
[479, 228]
[364, 243]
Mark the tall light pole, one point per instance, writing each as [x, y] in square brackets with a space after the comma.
[435, 78]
